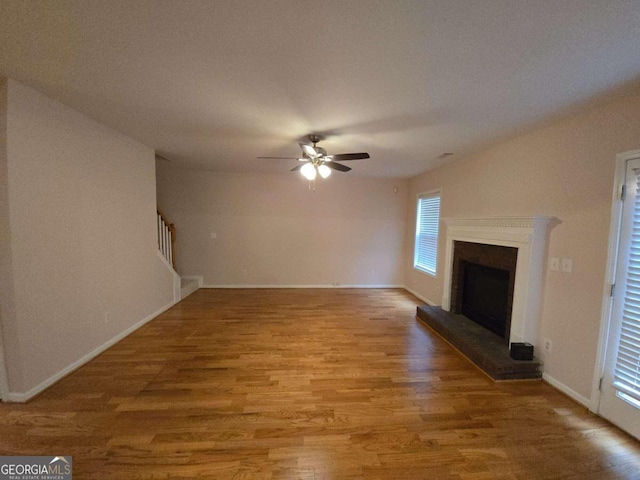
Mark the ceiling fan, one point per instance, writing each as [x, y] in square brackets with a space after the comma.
[315, 161]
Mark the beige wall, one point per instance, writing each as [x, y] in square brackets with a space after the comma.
[566, 170]
[78, 228]
[82, 238]
[349, 231]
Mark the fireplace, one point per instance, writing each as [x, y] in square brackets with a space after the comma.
[482, 286]
[526, 237]
[488, 251]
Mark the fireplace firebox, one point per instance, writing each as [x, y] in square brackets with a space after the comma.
[485, 296]
[482, 284]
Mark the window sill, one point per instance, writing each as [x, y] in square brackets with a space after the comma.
[425, 272]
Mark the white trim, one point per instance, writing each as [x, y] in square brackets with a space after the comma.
[610, 275]
[420, 297]
[193, 283]
[404, 287]
[424, 272]
[198, 278]
[26, 396]
[407, 289]
[4, 383]
[177, 286]
[500, 222]
[566, 390]
[302, 286]
[529, 235]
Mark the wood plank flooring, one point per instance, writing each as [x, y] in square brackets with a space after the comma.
[307, 384]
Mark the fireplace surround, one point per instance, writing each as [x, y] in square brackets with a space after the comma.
[526, 234]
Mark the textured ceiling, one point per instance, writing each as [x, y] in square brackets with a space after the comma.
[215, 84]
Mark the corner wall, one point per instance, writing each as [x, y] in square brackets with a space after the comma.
[271, 230]
[565, 169]
[84, 268]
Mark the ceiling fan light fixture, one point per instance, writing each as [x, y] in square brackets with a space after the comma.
[324, 171]
[308, 171]
[308, 150]
[315, 160]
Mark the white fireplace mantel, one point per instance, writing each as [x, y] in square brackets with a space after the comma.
[529, 236]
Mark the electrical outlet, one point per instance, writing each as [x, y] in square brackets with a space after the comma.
[547, 345]
[244, 272]
[555, 264]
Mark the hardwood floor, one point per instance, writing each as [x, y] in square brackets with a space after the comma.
[307, 384]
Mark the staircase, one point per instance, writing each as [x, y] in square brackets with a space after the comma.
[183, 286]
[166, 239]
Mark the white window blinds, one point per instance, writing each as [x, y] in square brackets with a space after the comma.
[627, 371]
[426, 247]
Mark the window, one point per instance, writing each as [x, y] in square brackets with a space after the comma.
[428, 219]
[627, 370]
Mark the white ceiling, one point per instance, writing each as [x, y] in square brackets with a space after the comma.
[215, 84]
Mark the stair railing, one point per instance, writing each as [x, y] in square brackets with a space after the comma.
[166, 238]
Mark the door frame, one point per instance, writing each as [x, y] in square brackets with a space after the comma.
[4, 383]
[610, 275]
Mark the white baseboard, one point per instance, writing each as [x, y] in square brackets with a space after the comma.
[412, 292]
[19, 397]
[424, 299]
[566, 390]
[193, 284]
[197, 278]
[302, 286]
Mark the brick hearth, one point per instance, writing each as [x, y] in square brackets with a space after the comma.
[482, 347]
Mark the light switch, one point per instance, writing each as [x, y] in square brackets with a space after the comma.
[554, 264]
[567, 265]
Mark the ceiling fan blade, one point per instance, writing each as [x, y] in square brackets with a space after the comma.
[337, 166]
[341, 157]
[280, 158]
[298, 167]
[308, 150]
